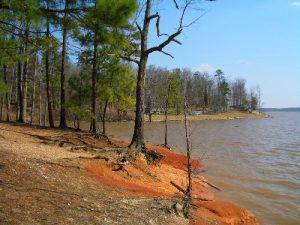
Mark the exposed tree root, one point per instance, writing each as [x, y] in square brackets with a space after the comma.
[56, 164]
[20, 188]
[152, 157]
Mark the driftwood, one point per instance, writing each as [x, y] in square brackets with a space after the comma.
[213, 186]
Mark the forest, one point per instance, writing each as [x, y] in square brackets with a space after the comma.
[67, 61]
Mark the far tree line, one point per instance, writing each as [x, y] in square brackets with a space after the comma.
[115, 90]
[205, 93]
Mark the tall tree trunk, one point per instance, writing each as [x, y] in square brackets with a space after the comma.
[177, 109]
[16, 94]
[94, 81]
[118, 111]
[1, 108]
[23, 109]
[150, 116]
[63, 122]
[7, 100]
[166, 123]
[45, 115]
[20, 111]
[33, 92]
[49, 97]
[40, 104]
[104, 118]
[138, 141]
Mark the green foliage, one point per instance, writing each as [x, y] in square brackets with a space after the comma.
[225, 89]
[80, 95]
[254, 103]
[116, 83]
[170, 89]
[3, 88]
[113, 12]
[47, 43]
[175, 83]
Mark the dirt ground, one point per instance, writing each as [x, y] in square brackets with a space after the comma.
[49, 176]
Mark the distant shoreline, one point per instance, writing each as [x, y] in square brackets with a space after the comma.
[230, 115]
[290, 109]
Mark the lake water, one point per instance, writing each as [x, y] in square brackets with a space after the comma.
[256, 163]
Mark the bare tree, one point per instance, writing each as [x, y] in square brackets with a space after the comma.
[137, 141]
[188, 194]
[259, 94]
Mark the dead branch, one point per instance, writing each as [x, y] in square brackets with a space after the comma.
[128, 58]
[178, 187]
[139, 28]
[165, 43]
[168, 54]
[213, 186]
[95, 157]
[176, 4]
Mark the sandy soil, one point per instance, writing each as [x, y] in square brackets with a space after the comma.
[45, 179]
[230, 115]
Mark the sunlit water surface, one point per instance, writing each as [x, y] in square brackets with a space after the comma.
[256, 163]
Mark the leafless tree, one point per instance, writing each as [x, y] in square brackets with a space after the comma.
[188, 193]
[137, 141]
[259, 94]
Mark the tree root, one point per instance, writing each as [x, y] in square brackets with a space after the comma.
[20, 188]
[56, 164]
[152, 157]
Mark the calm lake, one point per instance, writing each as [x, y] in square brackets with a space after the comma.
[256, 162]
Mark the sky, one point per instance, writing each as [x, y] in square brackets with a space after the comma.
[258, 40]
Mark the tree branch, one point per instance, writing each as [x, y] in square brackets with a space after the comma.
[128, 58]
[20, 29]
[176, 4]
[165, 43]
[168, 54]
[139, 28]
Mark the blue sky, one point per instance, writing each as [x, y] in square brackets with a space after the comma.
[258, 40]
